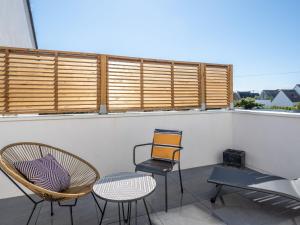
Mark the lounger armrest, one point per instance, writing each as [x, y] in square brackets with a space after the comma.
[137, 146]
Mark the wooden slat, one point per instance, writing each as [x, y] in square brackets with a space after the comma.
[186, 88]
[157, 78]
[98, 81]
[230, 85]
[142, 83]
[6, 82]
[31, 81]
[104, 82]
[124, 76]
[217, 86]
[56, 81]
[75, 74]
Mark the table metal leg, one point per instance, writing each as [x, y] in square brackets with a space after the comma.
[125, 218]
[119, 208]
[147, 211]
[129, 213]
[136, 212]
[103, 212]
[97, 203]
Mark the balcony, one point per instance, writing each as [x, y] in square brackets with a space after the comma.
[269, 138]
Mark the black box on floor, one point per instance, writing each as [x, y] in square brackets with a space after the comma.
[234, 158]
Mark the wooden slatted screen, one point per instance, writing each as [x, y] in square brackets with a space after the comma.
[31, 82]
[37, 81]
[157, 85]
[124, 85]
[77, 83]
[186, 86]
[217, 86]
[2, 81]
[40, 81]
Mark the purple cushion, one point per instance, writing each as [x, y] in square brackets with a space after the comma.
[45, 172]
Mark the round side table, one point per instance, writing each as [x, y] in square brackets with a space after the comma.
[124, 188]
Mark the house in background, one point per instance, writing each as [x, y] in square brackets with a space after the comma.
[297, 88]
[266, 97]
[268, 94]
[246, 94]
[236, 97]
[286, 98]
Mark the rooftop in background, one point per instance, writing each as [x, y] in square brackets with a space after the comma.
[246, 94]
[268, 94]
[292, 95]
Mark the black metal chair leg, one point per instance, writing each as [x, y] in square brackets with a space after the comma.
[52, 213]
[180, 178]
[31, 214]
[147, 211]
[71, 214]
[166, 192]
[213, 199]
[103, 213]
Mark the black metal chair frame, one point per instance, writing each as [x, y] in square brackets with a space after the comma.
[165, 174]
[36, 203]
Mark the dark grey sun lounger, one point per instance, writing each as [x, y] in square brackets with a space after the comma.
[255, 181]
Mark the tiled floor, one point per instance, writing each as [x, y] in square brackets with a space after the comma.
[236, 207]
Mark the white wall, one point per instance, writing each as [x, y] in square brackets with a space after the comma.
[15, 27]
[107, 141]
[271, 141]
[282, 100]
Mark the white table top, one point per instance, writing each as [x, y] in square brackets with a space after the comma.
[125, 186]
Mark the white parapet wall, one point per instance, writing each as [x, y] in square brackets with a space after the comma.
[107, 140]
[271, 141]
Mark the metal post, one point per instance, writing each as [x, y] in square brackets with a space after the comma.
[180, 178]
[166, 192]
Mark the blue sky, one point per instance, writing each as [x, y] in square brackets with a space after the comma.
[261, 38]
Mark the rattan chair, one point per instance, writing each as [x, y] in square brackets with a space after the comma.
[83, 175]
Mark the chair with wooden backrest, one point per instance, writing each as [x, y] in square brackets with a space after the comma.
[83, 175]
[165, 153]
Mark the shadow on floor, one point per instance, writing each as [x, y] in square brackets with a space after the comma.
[193, 207]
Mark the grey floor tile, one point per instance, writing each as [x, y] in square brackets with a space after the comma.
[193, 214]
[236, 210]
[193, 207]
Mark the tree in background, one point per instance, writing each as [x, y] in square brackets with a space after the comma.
[248, 103]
